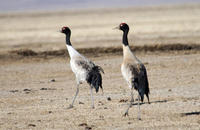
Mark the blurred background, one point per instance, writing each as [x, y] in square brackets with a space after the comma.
[34, 24]
[24, 5]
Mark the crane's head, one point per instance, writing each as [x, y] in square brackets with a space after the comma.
[65, 30]
[123, 27]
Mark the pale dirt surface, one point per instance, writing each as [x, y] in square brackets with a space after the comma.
[174, 85]
[29, 99]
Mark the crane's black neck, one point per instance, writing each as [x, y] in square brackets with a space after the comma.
[125, 38]
[68, 42]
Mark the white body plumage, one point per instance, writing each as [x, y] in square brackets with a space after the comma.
[129, 59]
[79, 64]
[133, 71]
[84, 69]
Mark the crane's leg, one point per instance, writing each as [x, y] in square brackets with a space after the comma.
[139, 107]
[77, 90]
[92, 98]
[126, 112]
[132, 99]
[102, 91]
[130, 105]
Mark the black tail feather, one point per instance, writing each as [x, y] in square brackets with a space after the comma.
[142, 87]
[94, 78]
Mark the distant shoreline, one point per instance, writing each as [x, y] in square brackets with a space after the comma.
[37, 6]
[85, 10]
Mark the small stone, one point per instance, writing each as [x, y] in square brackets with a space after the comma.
[27, 90]
[169, 90]
[50, 112]
[123, 100]
[14, 91]
[81, 103]
[83, 124]
[43, 89]
[53, 80]
[32, 125]
[47, 89]
[108, 98]
[88, 128]
[129, 122]
[100, 103]
[101, 116]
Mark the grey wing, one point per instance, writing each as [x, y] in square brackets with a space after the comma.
[88, 65]
[85, 65]
[80, 67]
[139, 79]
[134, 76]
[92, 75]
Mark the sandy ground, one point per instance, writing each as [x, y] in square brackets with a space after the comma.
[29, 99]
[35, 92]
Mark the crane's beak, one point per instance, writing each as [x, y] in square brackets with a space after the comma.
[116, 28]
[60, 31]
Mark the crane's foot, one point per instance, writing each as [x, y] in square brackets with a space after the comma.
[70, 106]
[92, 107]
[125, 114]
[132, 100]
[139, 118]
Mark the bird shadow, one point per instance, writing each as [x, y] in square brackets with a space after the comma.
[190, 113]
[160, 101]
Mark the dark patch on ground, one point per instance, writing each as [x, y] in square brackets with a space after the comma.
[27, 90]
[160, 101]
[47, 89]
[109, 98]
[14, 91]
[26, 52]
[86, 126]
[50, 112]
[32, 125]
[81, 103]
[100, 103]
[123, 100]
[98, 51]
[190, 113]
[83, 124]
[53, 80]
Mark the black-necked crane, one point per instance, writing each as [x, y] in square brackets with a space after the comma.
[83, 68]
[133, 71]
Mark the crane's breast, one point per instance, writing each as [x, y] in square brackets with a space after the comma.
[79, 70]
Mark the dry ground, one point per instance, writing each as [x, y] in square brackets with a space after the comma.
[174, 84]
[35, 92]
